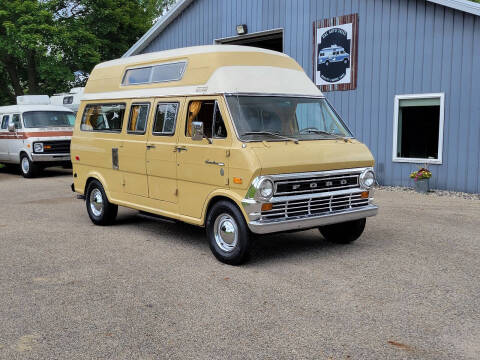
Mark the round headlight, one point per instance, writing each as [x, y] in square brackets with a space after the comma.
[367, 179]
[266, 189]
[38, 147]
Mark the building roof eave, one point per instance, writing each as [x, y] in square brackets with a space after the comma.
[461, 5]
[158, 27]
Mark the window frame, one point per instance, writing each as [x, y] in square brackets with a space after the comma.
[215, 107]
[130, 118]
[100, 104]
[151, 67]
[396, 111]
[156, 133]
[20, 121]
[8, 121]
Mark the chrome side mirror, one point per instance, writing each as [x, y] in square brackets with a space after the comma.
[197, 130]
[12, 128]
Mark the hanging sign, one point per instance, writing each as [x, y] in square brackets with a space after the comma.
[335, 53]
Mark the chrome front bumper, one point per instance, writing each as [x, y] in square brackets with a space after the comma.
[308, 222]
[50, 157]
[339, 206]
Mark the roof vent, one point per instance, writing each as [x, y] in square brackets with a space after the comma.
[33, 100]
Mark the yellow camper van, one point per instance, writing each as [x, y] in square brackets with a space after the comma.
[231, 138]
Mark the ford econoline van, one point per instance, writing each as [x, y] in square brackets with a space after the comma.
[35, 134]
[234, 139]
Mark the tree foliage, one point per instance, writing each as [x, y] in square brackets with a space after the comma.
[44, 43]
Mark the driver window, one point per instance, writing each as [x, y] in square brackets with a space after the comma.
[16, 121]
[208, 113]
[5, 121]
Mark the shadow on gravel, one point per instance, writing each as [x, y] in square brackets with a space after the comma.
[264, 248]
[47, 173]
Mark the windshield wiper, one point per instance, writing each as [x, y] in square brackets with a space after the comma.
[271, 133]
[318, 131]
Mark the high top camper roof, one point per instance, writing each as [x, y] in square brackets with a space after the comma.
[214, 69]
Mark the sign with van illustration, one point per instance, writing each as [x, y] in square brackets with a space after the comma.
[335, 53]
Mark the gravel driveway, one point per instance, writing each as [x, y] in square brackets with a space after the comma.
[409, 288]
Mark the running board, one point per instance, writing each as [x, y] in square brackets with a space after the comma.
[157, 217]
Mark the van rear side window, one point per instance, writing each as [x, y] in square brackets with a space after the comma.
[103, 117]
[138, 118]
[165, 119]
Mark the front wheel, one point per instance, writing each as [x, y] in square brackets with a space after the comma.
[27, 167]
[343, 233]
[100, 210]
[227, 233]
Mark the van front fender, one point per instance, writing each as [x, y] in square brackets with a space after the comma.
[228, 194]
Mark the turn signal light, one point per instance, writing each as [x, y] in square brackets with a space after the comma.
[267, 207]
[364, 195]
[237, 180]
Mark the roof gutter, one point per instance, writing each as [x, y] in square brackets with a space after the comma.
[461, 5]
[158, 27]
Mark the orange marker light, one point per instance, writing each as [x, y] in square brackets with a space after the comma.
[47, 147]
[28, 145]
[237, 180]
[267, 207]
[364, 195]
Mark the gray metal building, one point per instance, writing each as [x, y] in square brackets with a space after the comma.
[413, 68]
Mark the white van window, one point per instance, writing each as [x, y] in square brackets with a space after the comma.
[16, 121]
[138, 118]
[103, 117]
[5, 121]
[41, 119]
[165, 119]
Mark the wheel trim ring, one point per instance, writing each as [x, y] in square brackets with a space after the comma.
[96, 202]
[225, 231]
[25, 165]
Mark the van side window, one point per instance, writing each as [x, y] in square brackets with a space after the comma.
[5, 121]
[165, 119]
[138, 118]
[200, 111]
[16, 121]
[103, 117]
[219, 129]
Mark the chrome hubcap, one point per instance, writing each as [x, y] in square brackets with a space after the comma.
[226, 232]
[96, 202]
[25, 165]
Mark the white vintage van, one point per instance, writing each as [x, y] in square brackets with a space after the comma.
[35, 134]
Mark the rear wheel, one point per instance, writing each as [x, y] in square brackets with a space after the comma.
[227, 233]
[27, 167]
[343, 233]
[100, 210]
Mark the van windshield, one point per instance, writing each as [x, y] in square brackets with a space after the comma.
[42, 119]
[259, 118]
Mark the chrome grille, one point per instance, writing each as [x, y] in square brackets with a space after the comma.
[314, 206]
[317, 184]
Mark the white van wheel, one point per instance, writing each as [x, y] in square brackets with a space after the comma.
[28, 168]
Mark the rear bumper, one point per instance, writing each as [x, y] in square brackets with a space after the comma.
[308, 222]
[51, 157]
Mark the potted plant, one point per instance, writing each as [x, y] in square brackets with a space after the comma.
[421, 178]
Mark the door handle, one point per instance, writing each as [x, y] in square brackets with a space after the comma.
[150, 146]
[180, 148]
[214, 163]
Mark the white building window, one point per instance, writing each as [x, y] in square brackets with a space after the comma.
[418, 128]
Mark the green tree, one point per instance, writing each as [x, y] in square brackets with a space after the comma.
[44, 42]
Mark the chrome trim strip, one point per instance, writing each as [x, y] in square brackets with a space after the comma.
[260, 227]
[281, 177]
[50, 157]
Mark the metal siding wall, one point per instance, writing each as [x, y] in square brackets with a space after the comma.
[405, 46]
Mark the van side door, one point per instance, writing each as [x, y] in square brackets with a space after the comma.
[4, 137]
[132, 148]
[15, 145]
[161, 148]
[202, 164]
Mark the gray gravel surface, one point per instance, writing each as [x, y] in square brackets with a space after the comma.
[145, 289]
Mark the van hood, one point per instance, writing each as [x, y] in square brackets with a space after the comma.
[307, 156]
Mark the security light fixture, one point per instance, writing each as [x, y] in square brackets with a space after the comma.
[242, 29]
